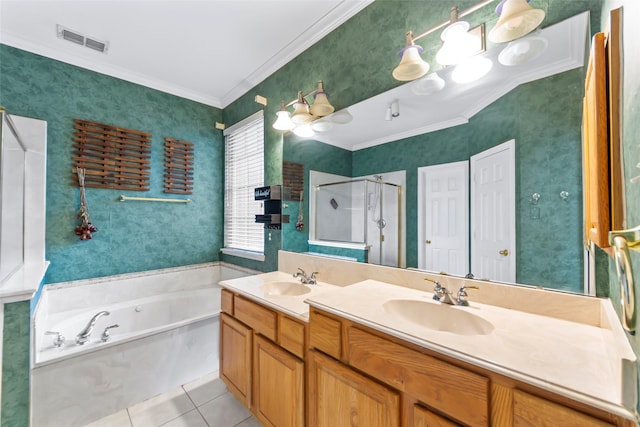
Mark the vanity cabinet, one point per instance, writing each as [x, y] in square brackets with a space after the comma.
[262, 360]
[349, 359]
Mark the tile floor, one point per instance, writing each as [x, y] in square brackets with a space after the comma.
[202, 403]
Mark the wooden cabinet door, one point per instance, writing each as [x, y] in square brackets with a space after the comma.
[235, 358]
[422, 417]
[341, 397]
[278, 385]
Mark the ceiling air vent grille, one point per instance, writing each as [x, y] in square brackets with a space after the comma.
[76, 37]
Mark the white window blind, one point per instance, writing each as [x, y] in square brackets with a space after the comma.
[244, 171]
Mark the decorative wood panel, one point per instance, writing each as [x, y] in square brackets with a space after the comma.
[614, 73]
[596, 147]
[113, 157]
[293, 178]
[178, 163]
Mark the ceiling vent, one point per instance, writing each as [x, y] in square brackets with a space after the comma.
[77, 38]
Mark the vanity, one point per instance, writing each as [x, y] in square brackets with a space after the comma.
[380, 351]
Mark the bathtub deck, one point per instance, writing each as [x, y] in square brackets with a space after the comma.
[202, 403]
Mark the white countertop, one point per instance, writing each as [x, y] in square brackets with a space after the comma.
[576, 360]
[23, 283]
[252, 287]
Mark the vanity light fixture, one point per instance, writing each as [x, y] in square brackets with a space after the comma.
[517, 19]
[459, 44]
[427, 85]
[412, 66]
[304, 114]
[523, 50]
[471, 69]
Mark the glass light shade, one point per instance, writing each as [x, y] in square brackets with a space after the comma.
[522, 51]
[321, 106]
[301, 113]
[516, 20]
[411, 66]
[283, 122]
[304, 131]
[427, 85]
[341, 117]
[471, 70]
[458, 44]
[322, 125]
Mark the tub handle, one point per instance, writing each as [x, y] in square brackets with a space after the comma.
[58, 341]
[106, 335]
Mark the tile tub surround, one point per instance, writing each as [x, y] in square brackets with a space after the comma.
[103, 380]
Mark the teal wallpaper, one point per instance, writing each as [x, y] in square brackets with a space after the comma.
[14, 407]
[132, 236]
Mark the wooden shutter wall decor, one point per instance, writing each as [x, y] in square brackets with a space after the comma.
[293, 178]
[178, 163]
[113, 157]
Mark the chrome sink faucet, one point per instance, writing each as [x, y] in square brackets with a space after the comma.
[445, 296]
[304, 279]
[84, 334]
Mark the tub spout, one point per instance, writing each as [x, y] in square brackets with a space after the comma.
[84, 335]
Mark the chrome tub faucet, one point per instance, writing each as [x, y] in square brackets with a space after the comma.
[84, 335]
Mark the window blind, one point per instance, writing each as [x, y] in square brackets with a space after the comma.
[244, 171]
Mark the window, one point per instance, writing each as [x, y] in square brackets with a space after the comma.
[244, 171]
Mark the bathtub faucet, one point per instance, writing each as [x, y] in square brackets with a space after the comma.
[83, 336]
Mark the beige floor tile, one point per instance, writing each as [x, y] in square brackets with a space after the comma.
[161, 409]
[205, 389]
[119, 419]
[224, 411]
[190, 419]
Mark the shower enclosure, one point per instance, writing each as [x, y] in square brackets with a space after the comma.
[361, 213]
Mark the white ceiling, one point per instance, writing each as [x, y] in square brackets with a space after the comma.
[210, 51]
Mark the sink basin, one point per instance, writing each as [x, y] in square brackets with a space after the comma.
[284, 289]
[438, 317]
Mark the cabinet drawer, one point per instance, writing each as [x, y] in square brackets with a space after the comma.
[226, 302]
[454, 391]
[261, 319]
[529, 410]
[325, 334]
[291, 335]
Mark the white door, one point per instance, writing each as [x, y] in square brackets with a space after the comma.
[443, 209]
[493, 214]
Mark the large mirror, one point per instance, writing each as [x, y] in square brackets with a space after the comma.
[536, 106]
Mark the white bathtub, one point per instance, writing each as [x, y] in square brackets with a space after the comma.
[167, 336]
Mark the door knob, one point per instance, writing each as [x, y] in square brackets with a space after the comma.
[504, 252]
[428, 242]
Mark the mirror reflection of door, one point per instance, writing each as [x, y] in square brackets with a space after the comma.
[493, 233]
[443, 200]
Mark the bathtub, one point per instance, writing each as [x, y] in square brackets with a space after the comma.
[167, 335]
